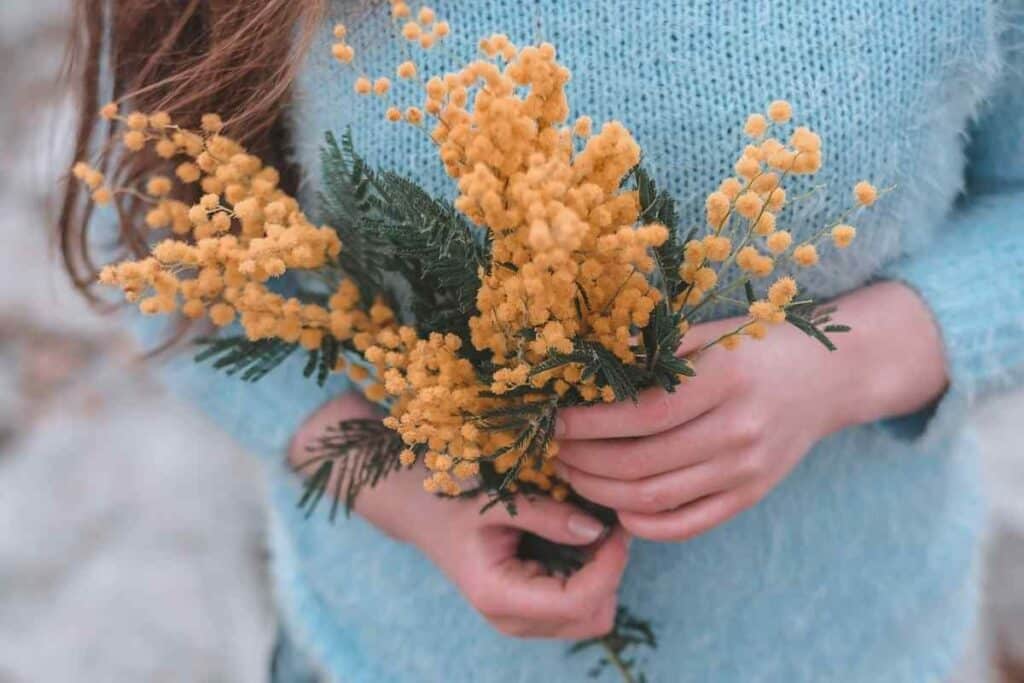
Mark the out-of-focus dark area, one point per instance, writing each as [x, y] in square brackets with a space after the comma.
[131, 543]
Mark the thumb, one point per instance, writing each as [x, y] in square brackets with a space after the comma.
[558, 522]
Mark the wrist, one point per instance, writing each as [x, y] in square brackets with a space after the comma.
[891, 363]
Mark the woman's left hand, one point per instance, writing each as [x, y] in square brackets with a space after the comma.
[676, 465]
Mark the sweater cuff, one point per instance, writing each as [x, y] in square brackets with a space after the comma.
[972, 279]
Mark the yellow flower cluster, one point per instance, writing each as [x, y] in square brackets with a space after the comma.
[571, 260]
[423, 29]
[241, 233]
[743, 221]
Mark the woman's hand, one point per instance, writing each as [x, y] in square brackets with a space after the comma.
[679, 464]
[478, 552]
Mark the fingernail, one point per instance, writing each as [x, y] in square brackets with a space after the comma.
[559, 428]
[561, 470]
[586, 528]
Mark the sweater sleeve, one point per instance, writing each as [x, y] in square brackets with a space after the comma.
[262, 416]
[972, 274]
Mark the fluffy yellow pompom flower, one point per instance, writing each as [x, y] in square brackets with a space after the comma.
[343, 53]
[717, 207]
[782, 291]
[805, 140]
[842, 235]
[747, 167]
[137, 121]
[400, 10]
[102, 196]
[363, 86]
[134, 140]
[159, 186]
[222, 315]
[340, 31]
[583, 127]
[780, 111]
[165, 149]
[212, 123]
[779, 241]
[109, 111]
[393, 114]
[381, 85]
[865, 193]
[805, 255]
[442, 29]
[731, 187]
[412, 31]
[749, 204]
[766, 311]
[160, 119]
[187, 172]
[406, 70]
[414, 115]
[426, 16]
[756, 126]
[717, 247]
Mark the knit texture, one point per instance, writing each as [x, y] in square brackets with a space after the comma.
[860, 566]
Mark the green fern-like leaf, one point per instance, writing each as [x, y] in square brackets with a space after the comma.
[250, 360]
[349, 457]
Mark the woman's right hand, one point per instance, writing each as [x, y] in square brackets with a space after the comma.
[477, 552]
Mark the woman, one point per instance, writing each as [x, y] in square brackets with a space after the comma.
[798, 515]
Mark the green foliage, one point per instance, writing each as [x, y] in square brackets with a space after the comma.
[254, 360]
[399, 241]
[250, 360]
[347, 458]
[814, 322]
[322, 360]
[629, 634]
[657, 206]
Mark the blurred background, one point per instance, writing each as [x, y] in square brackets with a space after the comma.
[131, 543]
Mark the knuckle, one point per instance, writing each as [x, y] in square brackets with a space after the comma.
[651, 496]
[658, 411]
[749, 430]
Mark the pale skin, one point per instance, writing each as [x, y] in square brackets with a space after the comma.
[675, 465]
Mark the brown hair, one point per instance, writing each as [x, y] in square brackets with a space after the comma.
[185, 57]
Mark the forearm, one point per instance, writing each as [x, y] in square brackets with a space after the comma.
[891, 363]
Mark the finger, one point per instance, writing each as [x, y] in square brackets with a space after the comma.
[507, 592]
[662, 492]
[545, 517]
[699, 335]
[598, 624]
[693, 519]
[593, 625]
[631, 459]
[601, 575]
[655, 411]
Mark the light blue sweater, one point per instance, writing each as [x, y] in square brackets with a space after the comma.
[861, 566]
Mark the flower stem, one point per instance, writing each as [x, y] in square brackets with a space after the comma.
[616, 660]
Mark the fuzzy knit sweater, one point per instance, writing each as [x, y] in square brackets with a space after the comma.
[861, 565]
